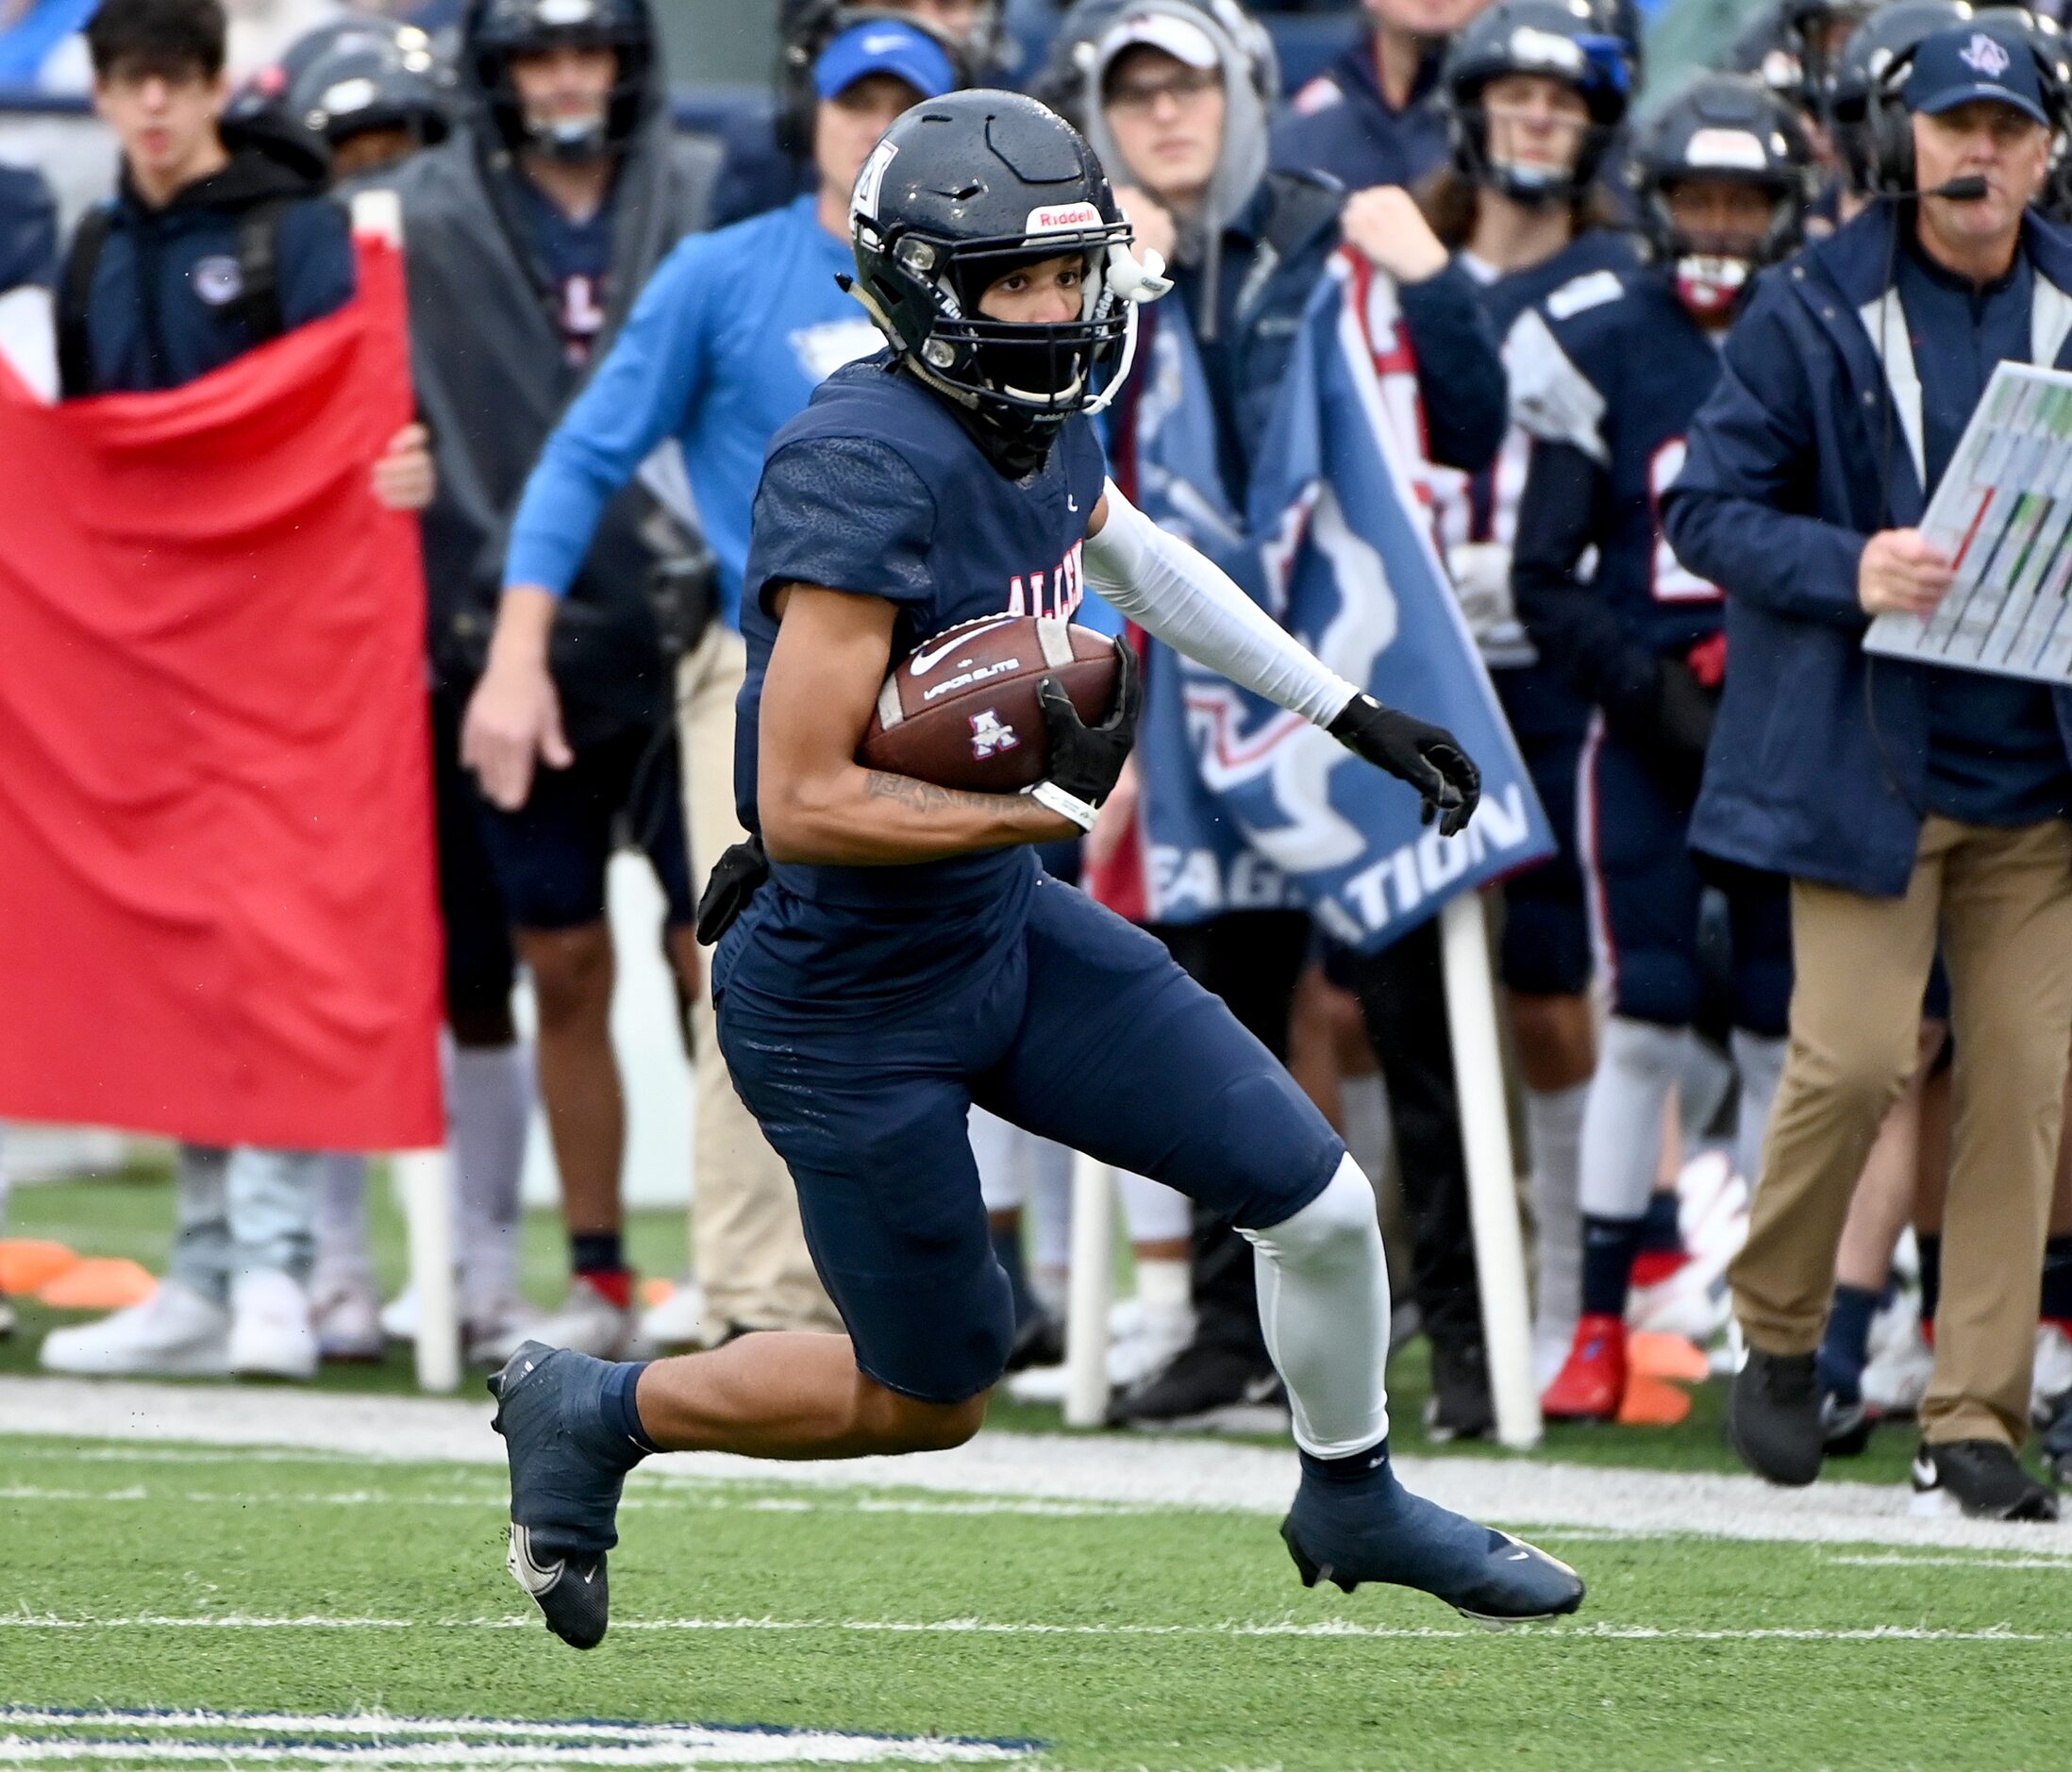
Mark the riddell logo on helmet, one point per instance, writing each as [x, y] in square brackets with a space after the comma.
[1066, 215]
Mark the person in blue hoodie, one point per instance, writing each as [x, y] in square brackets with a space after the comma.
[726, 344]
[219, 238]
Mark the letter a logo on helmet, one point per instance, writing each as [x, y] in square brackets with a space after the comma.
[1987, 55]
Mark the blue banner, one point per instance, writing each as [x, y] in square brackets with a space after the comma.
[1246, 803]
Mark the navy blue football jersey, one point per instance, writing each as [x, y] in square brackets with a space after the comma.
[1478, 513]
[1612, 366]
[878, 490]
[577, 256]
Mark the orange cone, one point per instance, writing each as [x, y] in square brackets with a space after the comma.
[1649, 1402]
[27, 1264]
[1668, 1357]
[103, 1282]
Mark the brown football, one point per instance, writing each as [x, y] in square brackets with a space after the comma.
[960, 709]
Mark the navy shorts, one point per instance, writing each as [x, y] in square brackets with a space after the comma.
[1545, 950]
[480, 965]
[551, 854]
[1074, 1025]
[1647, 893]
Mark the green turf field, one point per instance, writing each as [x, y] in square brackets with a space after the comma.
[289, 1597]
[174, 1604]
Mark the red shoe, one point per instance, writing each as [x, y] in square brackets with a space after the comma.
[1592, 1382]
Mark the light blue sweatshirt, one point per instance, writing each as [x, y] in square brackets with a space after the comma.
[727, 342]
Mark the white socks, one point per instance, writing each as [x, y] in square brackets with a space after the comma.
[488, 1111]
[1324, 1305]
[1639, 1065]
[1554, 1123]
[1760, 1060]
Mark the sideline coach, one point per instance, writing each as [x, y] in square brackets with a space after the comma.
[1905, 802]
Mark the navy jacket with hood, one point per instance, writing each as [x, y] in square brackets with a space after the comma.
[1341, 124]
[163, 306]
[29, 229]
[1811, 444]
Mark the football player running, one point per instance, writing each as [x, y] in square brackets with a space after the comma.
[900, 955]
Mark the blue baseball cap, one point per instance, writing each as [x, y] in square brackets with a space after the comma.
[1964, 62]
[885, 46]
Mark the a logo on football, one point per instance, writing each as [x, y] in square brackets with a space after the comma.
[989, 736]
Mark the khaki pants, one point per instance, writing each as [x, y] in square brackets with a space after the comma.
[2001, 901]
[751, 1258]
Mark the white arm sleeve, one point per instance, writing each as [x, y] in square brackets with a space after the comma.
[1174, 593]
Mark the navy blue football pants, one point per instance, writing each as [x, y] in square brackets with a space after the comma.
[1646, 892]
[1077, 1027]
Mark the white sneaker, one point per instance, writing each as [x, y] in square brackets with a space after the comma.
[2052, 1377]
[492, 1330]
[175, 1333]
[399, 1316]
[590, 1322]
[271, 1333]
[1901, 1361]
[346, 1313]
[678, 1323]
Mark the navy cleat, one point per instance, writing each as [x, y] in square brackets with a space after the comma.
[1373, 1529]
[566, 1471]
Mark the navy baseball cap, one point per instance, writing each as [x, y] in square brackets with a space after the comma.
[885, 46]
[1964, 62]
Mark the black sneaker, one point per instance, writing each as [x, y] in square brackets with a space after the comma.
[1205, 1388]
[1038, 1341]
[1458, 1407]
[1845, 1427]
[1982, 1478]
[1773, 1417]
[2057, 1440]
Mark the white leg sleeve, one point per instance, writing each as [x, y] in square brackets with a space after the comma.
[342, 1247]
[1760, 1061]
[1323, 1304]
[1623, 1122]
[1554, 1121]
[1153, 1212]
[491, 1110]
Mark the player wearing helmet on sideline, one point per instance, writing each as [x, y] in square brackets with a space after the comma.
[376, 92]
[1606, 375]
[900, 955]
[1534, 93]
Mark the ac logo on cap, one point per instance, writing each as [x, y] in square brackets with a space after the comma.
[1987, 55]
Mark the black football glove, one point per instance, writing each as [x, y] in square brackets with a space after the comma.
[1085, 759]
[1428, 757]
[737, 876]
[1677, 729]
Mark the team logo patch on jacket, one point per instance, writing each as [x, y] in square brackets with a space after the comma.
[219, 279]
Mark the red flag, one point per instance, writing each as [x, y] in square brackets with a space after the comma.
[217, 908]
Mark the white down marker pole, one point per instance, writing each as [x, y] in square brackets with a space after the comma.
[1493, 1188]
[423, 1177]
[1092, 1281]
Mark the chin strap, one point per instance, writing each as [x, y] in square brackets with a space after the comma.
[1137, 281]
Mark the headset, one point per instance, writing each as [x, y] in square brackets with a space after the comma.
[1889, 126]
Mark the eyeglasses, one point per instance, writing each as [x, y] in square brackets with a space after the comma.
[1142, 96]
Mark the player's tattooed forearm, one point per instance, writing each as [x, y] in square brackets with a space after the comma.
[923, 796]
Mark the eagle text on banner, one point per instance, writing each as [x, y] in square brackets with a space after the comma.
[217, 907]
[1351, 570]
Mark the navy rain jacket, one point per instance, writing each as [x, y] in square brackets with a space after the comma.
[1811, 444]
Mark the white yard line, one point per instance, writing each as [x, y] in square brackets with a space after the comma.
[1322, 1629]
[486, 1499]
[1056, 1468]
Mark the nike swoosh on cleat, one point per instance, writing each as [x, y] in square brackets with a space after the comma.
[1517, 1556]
[923, 662]
[527, 1570]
